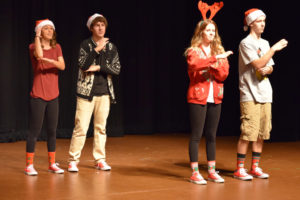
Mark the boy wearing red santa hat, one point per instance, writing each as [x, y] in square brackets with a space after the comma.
[255, 64]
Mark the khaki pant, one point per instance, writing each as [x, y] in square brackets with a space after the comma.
[99, 106]
[255, 121]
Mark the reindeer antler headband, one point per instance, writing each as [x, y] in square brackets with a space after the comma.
[203, 7]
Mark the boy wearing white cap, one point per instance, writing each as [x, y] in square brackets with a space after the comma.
[98, 61]
[255, 63]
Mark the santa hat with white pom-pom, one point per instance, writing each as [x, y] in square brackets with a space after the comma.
[251, 15]
[43, 22]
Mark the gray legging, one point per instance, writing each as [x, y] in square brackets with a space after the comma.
[40, 109]
[204, 118]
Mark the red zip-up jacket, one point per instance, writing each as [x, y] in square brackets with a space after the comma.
[202, 70]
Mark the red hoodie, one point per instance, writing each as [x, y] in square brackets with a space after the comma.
[202, 70]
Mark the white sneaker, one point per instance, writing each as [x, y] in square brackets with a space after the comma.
[102, 165]
[242, 174]
[29, 170]
[55, 169]
[197, 179]
[215, 177]
[73, 166]
[258, 173]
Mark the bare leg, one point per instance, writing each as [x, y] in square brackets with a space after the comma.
[240, 173]
[258, 145]
[242, 146]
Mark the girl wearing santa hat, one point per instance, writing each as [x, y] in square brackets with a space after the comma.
[47, 59]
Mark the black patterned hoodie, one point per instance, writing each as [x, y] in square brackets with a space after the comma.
[109, 64]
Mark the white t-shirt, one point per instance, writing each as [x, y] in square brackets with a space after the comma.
[210, 98]
[251, 87]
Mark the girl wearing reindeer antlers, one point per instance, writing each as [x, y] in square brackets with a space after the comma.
[207, 69]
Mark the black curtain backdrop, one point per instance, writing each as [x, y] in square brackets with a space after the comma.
[151, 37]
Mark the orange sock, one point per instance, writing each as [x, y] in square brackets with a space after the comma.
[51, 158]
[29, 158]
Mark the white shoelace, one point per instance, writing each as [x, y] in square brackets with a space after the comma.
[198, 175]
[216, 174]
[55, 165]
[104, 164]
[31, 167]
[259, 170]
[243, 172]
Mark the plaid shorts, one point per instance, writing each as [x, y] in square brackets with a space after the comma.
[255, 121]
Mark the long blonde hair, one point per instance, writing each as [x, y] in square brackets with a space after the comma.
[197, 39]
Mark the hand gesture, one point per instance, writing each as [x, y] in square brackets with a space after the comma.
[93, 68]
[265, 70]
[101, 44]
[279, 45]
[224, 55]
[38, 32]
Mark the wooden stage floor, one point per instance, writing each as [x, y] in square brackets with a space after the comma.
[148, 167]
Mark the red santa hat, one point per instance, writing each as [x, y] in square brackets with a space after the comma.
[251, 15]
[43, 22]
[91, 19]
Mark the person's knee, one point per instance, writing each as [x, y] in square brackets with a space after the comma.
[195, 139]
[210, 138]
[51, 131]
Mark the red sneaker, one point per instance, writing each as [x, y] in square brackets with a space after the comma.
[29, 170]
[215, 177]
[55, 169]
[242, 174]
[197, 179]
[73, 167]
[102, 165]
[258, 173]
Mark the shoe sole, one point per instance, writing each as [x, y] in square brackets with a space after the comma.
[55, 172]
[198, 183]
[73, 170]
[260, 177]
[216, 181]
[103, 169]
[243, 179]
[31, 174]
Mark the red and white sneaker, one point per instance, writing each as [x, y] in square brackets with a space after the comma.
[73, 166]
[29, 170]
[258, 173]
[242, 174]
[215, 177]
[197, 179]
[55, 169]
[102, 165]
